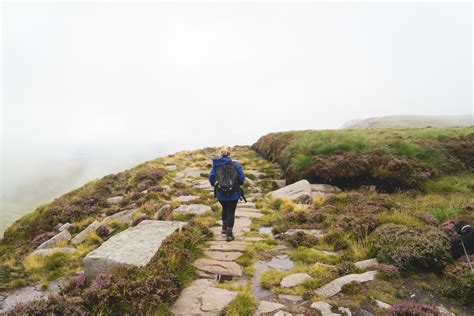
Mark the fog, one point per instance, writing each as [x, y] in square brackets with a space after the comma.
[93, 88]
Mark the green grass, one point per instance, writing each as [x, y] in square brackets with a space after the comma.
[308, 255]
[243, 305]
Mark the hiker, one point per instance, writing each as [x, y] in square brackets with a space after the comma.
[226, 177]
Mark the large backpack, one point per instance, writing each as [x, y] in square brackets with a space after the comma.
[227, 179]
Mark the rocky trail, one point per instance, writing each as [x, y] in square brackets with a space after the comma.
[227, 269]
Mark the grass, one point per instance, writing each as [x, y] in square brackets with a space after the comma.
[244, 304]
[309, 255]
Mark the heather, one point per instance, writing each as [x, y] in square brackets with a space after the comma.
[390, 159]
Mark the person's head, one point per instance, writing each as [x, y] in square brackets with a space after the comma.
[224, 151]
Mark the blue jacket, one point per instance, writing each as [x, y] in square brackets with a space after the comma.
[216, 162]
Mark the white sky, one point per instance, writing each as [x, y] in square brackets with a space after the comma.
[116, 78]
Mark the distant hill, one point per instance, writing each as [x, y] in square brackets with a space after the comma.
[411, 121]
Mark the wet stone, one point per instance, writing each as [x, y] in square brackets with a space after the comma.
[268, 307]
[218, 267]
[335, 286]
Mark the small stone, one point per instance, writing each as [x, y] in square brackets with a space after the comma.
[144, 192]
[383, 305]
[280, 183]
[290, 298]
[48, 251]
[283, 313]
[79, 238]
[171, 167]
[223, 255]
[187, 198]
[62, 237]
[240, 213]
[115, 200]
[345, 311]
[324, 308]
[294, 279]
[268, 307]
[365, 264]
[125, 217]
[65, 227]
[195, 209]
[335, 286]
[444, 311]
[324, 188]
[312, 232]
[227, 246]
[218, 267]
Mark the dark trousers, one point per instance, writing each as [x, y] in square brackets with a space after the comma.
[228, 212]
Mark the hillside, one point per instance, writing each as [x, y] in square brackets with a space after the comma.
[302, 249]
[411, 121]
[389, 159]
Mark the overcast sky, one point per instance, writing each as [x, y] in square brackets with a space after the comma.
[141, 79]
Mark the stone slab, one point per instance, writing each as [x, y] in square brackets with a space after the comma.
[227, 246]
[187, 198]
[241, 213]
[125, 216]
[228, 268]
[195, 209]
[335, 286]
[223, 255]
[134, 246]
[294, 279]
[299, 192]
[61, 237]
[266, 307]
[366, 264]
[79, 238]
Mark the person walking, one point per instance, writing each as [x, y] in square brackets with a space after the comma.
[226, 177]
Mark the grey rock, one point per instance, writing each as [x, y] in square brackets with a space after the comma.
[283, 313]
[134, 246]
[201, 298]
[65, 227]
[280, 183]
[195, 209]
[161, 210]
[381, 304]
[335, 286]
[324, 308]
[204, 185]
[299, 192]
[254, 173]
[125, 216]
[219, 267]
[345, 311]
[79, 238]
[242, 213]
[170, 167]
[115, 200]
[61, 237]
[187, 198]
[444, 311]
[268, 307]
[312, 232]
[324, 188]
[191, 172]
[290, 298]
[242, 204]
[294, 279]
[48, 251]
[365, 264]
[223, 255]
[227, 246]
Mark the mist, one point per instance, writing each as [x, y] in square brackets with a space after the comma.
[90, 89]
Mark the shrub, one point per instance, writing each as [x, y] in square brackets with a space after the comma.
[337, 239]
[102, 231]
[459, 281]
[300, 239]
[411, 248]
[140, 219]
[387, 271]
[409, 308]
[358, 225]
[345, 268]
[56, 305]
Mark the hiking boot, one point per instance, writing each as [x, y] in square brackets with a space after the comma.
[224, 228]
[229, 234]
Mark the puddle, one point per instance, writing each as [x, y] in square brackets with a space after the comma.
[265, 231]
[280, 262]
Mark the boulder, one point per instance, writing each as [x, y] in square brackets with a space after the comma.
[365, 264]
[79, 238]
[335, 286]
[299, 192]
[192, 173]
[324, 308]
[195, 209]
[170, 167]
[266, 307]
[65, 226]
[48, 251]
[294, 279]
[204, 185]
[219, 267]
[201, 298]
[134, 246]
[161, 210]
[115, 200]
[61, 237]
[324, 188]
[122, 217]
[223, 255]
[187, 198]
